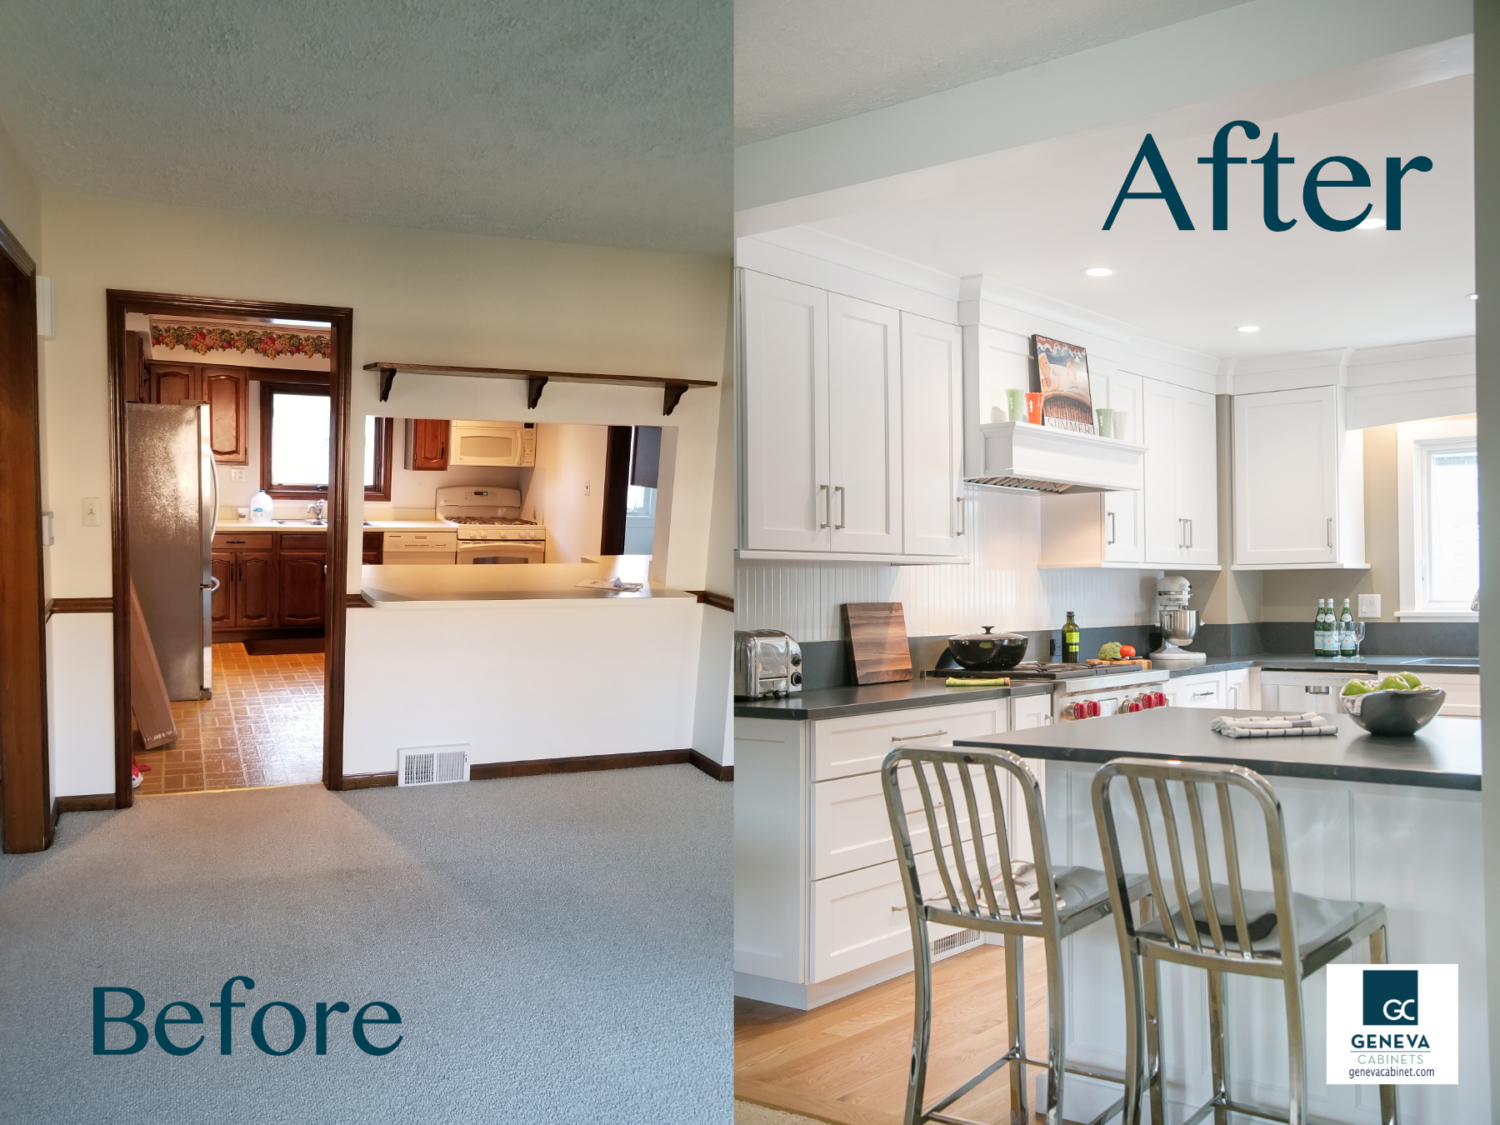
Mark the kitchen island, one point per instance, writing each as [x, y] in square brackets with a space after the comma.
[519, 665]
[1370, 819]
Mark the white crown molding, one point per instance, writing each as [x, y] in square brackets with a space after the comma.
[840, 266]
[1450, 360]
[845, 252]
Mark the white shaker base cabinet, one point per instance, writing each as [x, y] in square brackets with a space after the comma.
[819, 908]
[1299, 492]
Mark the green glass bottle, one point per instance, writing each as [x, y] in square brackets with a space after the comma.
[1346, 631]
[1071, 637]
[1318, 647]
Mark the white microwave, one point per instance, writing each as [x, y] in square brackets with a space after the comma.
[492, 443]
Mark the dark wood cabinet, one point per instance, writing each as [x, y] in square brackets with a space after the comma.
[222, 611]
[374, 548]
[255, 586]
[427, 444]
[226, 390]
[300, 574]
[172, 383]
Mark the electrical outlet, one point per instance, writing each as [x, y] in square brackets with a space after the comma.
[237, 475]
[91, 509]
[588, 488]
[1369, 605]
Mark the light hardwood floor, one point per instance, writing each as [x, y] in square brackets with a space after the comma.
[847, 1061]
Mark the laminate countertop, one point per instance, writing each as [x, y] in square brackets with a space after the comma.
[495, 587]
[834, 703]
[1445, 754]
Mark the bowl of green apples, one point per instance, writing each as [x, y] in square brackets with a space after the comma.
[1397, 705]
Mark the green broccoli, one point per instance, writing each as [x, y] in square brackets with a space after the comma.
[1110, 651]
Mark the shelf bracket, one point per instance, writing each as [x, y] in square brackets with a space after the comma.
[387, 377]
[534, 385]
[671, 395]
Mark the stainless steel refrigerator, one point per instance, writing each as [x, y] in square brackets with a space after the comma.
[173, 504]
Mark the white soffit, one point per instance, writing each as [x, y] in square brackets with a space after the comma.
[1304, 54]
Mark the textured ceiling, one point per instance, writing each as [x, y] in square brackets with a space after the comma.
[800, 63]
[591, 121]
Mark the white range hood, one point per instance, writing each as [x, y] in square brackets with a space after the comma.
[1020, 455]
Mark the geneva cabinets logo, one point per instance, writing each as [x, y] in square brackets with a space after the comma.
[1329, 173]
[1392, 1024]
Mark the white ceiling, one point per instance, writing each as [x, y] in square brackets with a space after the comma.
[800, 63]
[1034, 221]
[591, 121]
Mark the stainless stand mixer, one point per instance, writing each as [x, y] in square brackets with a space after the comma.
[1178, 623]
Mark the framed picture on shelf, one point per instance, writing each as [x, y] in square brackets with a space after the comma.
[1061, 376]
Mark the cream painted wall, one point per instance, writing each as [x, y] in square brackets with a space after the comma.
[418, 296]
[1226, 597]
[1292, 595]
[20, 200]
[568, 460]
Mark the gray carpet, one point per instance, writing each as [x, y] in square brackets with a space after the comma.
[559, 949]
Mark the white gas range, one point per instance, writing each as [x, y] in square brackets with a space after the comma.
[489, 526]
[1081, 691]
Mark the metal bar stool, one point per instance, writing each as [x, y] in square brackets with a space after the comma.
[969, 899]
[1291, 936]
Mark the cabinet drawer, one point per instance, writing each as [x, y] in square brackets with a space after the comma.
[240, 541]
[845, 747]
[1197, 691]
[305, 541]
[1462, 692]
[851, 828]
[859, 917]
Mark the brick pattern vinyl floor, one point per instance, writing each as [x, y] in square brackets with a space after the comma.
[264, 726]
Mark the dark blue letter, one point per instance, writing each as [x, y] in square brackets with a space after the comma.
[258, 1027]
[360, 1019]
[1394, 170]
[1271, 197]
[193, 1016]
[137, 1005]
[224, 1004]
[1168, 190]
[1358, 177]
[323, 1010]
[1221, 160]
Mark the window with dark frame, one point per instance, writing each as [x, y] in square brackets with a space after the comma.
[294, 428]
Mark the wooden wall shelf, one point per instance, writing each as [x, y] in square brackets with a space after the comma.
[672, 388]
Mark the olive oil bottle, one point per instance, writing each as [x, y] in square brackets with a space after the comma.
[1071, 637]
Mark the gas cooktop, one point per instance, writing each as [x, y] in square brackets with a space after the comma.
[1029, 670]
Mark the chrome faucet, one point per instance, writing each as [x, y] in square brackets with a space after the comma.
[315, 510]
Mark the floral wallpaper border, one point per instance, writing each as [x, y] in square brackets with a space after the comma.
[203, 340]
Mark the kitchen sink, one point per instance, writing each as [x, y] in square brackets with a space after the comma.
[300, 523]
[1454, 661]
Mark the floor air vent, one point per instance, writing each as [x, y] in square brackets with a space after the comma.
[955, 941]
[433, 765]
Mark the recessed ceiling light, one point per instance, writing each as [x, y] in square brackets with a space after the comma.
[1098, 271]
[1473, 296]
[1374, 222]
[1249, 328]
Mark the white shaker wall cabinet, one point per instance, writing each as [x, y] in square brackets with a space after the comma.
[1181, 493]
[932, 436]
[1298, 482]
[864, 424]
[784, 396]
[1104, 529]
[839, 457]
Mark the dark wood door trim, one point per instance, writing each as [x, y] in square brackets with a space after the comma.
[80, 605]
[616, 489]
[120, 302]
[25, 788]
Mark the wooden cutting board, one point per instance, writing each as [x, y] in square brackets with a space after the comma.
[1141, 663]
[877, 642]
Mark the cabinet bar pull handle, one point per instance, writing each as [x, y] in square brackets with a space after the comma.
[1189, 543]
[909, 737]
[843, 506]
[1110, 518]
[1201, 694]
[1330, 531]
[827, 506]
[963, 517]
[1324, 690]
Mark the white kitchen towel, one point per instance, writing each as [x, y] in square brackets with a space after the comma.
[1277, 726]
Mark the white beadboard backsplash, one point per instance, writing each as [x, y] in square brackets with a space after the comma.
[1000, 586]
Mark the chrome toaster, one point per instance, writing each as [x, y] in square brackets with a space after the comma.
[766, 662]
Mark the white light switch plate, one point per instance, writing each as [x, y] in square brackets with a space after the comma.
[1369, 605]
[237, 474]
[91, 507]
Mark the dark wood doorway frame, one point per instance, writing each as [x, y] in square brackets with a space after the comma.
[24, 786]
[120, 303]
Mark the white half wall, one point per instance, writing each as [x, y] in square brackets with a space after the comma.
[80, 704]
